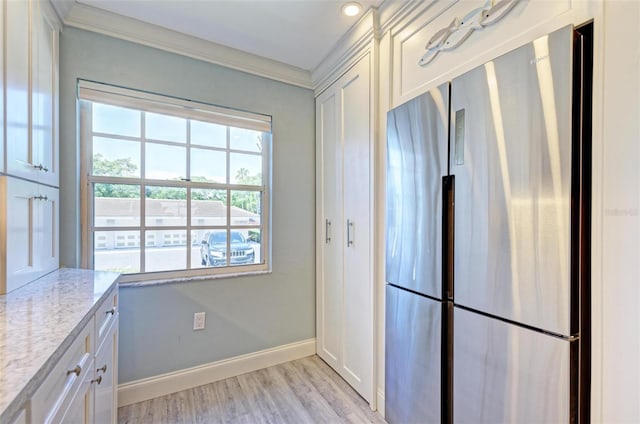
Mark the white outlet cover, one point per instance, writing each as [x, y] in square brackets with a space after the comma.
[199, 321]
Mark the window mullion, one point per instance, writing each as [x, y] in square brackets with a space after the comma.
[143, 194]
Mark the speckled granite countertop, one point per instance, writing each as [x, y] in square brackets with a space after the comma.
[38, 322]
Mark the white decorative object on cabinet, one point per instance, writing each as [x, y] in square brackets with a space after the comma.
[345, 320]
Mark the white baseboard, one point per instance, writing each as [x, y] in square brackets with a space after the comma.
[164, 384]
[380, 401]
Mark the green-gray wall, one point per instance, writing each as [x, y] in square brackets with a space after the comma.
[244, 314]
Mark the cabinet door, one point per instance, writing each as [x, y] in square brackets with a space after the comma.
[80, 410]
[45, 229]
[357, 325]
[2, 85]
[17, 44]
[20, 197]
[106, 373]
[44, 97]
[330, 229]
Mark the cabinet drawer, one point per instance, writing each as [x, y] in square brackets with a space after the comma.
[105, 316]
[54, 394]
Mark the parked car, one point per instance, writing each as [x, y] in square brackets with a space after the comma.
[213, 249]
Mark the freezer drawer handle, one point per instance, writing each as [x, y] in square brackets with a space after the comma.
[327, 227]
[349, 229]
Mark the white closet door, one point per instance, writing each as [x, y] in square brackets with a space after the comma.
[329, 284]
[357, 363]
[344, 283]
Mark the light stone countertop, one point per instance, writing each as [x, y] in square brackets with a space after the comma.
[38, 322]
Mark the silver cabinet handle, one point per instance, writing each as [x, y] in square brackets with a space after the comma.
[97, 380]
[102, 368]
[77, 370]
[41, 167]
[111, 311]
[327, 227]
[349, 229]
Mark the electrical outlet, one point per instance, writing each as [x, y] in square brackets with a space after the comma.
[198, 321]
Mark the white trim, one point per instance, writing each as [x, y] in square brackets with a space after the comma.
[380, 400]
[346, 52]
[164, 384]
[97, 20]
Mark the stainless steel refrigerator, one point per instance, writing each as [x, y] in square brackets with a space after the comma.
[487, 242]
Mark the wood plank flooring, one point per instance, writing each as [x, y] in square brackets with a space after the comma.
[297, 392]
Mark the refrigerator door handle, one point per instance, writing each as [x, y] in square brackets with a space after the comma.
[349, 229]
[327, 228]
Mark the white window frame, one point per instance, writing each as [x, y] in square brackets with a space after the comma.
[148, 102]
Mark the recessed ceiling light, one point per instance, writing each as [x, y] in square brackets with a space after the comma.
[351, 9]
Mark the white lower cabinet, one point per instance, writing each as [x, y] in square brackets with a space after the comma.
[106, 366]
[29, 215]
[82, 387]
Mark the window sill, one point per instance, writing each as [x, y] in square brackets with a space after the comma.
[188, 279]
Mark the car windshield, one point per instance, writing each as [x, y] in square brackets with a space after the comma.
[221, 237]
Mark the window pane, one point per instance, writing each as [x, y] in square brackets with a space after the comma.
[165, 127]
[208, 165]
[169, 251]
[248, 140]
[116, 120]
[208, 207]
[116, 205]
[116, 158]
[245, 169]
[165, 206]
[245, 207]
[213, 248]
[165, 162]
[206, 134]
[253, 237]
[117, 251]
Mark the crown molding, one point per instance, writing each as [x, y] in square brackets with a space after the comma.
[103, 22]
[346, 51]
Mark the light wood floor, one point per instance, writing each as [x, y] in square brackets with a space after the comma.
[297, 392]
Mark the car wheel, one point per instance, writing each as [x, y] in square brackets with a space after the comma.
[210, 260]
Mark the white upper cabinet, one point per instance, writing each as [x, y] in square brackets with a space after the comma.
[31, 99]
[44, 98]
[17, 28]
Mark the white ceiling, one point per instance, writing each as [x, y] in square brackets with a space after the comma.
[299, 33]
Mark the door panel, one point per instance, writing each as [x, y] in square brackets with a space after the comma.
[412, 358]
[511, 157]
[44, 98]
[416, 162]
[17, 27]
[21, 214]
[330, 285]
[357, 321]
[46, 229]
[504, 373]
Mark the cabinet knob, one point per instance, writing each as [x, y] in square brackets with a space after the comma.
[111, 311]
[97, 380]
[102, 368]
[77, 370]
